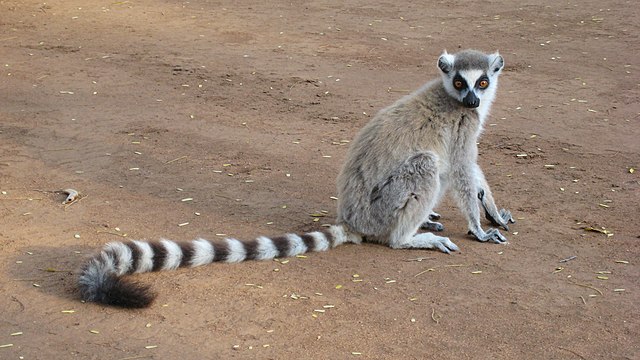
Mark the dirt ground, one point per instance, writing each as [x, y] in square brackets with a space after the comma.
[247, 109]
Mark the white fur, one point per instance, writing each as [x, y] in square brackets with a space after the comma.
[486, 100]
[237, 252]
[174, 255]
[203, 252]
[429, 241]
[123, 253]
[339, 234]
[321, 241]
[449, 58]
[266, 249]
[471, 76]
[296, 245]
[145, 264]
[107, 261]
[493, 61]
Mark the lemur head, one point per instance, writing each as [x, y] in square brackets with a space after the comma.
[471, 77]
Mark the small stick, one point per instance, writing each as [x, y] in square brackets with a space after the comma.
[583, 301]
[390, 90]
[20, 198]
[433, 315]
[13, 298]
[568, 259]
[573, 352]
[176, 159]
[420, 259]
[424, 271]
[109, 232]
[587, 286]
[26, 279]
[53, 270]
[224, 197]
[45, 191]
[136, 357]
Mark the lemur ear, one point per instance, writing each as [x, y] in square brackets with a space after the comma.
[445, 62]
[496, 63]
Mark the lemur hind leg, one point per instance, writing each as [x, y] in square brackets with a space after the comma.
[431, 224]
[409, 194]
[497, 217]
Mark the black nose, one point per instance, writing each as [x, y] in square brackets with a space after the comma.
[471, 100]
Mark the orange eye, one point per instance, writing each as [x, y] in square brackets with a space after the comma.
[458, 84]
[483, 84]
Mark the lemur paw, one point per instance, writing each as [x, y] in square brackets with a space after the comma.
[491, 235]
[503, 219]
[506, 218]
[434, 216]
[432, 226]
[446, 246]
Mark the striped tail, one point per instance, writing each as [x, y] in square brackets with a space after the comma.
[101, 278]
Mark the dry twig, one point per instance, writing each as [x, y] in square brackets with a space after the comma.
[573, 352]
[586, 286]
[433, 316]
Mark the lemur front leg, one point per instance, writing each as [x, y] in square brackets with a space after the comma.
[497, 217]
[465, 181]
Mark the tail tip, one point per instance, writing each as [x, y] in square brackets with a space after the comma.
[116, 291]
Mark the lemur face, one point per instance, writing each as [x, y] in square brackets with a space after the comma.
[469, 76]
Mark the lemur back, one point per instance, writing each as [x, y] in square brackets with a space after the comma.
[397, 169]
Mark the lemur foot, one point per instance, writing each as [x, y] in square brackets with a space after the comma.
[506, 219]
[491, 235]
[503, 218]
[432, 226]
[427, 241]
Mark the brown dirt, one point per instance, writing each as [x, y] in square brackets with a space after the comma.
[92, 91]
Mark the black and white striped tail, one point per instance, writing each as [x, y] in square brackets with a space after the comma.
[101, 279]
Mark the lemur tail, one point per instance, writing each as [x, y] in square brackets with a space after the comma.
[101, 278]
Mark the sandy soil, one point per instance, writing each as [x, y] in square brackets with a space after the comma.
[247, 109]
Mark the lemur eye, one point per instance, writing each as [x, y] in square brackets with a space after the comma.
[483, 84]
[458, 84]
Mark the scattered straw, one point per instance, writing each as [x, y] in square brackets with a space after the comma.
[176, 159]
[424, 271]
[586, 286]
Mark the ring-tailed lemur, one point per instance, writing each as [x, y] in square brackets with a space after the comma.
[397, 169]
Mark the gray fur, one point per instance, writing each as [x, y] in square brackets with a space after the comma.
[403, 161]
